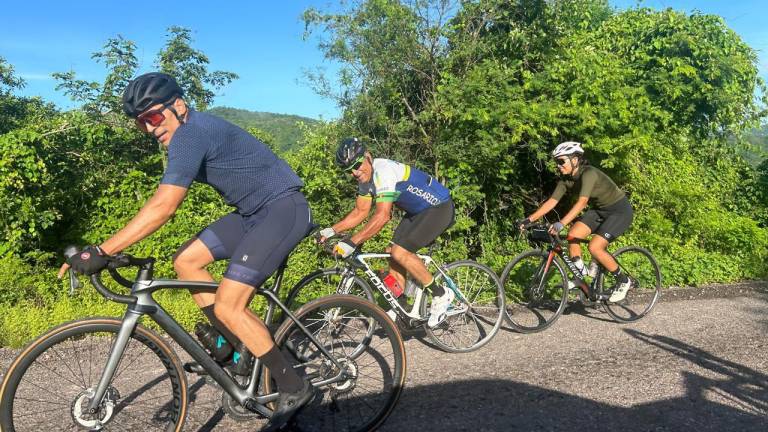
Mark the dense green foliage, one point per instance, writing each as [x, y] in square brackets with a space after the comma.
[662, 101]
[666, 103]
[285, 129]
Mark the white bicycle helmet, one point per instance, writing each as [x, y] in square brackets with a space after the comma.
[567, 148]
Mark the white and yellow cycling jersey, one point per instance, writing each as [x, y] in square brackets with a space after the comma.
[408, 188]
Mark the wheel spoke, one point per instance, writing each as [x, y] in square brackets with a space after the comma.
[479, 312]
[155, 403]
[535, 299]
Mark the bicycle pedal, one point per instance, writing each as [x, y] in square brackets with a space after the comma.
[195, 368]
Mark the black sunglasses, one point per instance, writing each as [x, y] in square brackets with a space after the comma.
[561, 161]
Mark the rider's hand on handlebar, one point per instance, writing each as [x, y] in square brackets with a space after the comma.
[344, 248]
[324, 235]
[88, 261]
[555, 228]
[522, 224]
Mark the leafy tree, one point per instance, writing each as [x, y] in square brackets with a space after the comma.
[119, 57]
[8, 80]
[390, 53]
[190, 68]
[15, 111]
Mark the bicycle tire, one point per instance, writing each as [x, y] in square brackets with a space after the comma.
[485, 310]
[70, 341]
[331, 410]
[640, 299]
[321, 283]
[529, 308]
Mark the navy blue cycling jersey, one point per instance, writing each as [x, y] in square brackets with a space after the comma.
[246, 173]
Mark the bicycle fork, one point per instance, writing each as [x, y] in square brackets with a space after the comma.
[130, 319]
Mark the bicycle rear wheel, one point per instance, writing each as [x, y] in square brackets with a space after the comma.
[637, 263]
[534, 300]
[373, 376]
[473, 321]
[49, 386]
[326, 282]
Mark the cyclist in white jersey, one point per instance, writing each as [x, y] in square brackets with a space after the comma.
[427, 204]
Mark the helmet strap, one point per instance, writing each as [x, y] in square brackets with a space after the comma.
[574, 167]
[180, 118]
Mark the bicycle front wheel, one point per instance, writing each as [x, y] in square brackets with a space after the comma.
[475, 316]
[535, 298]
[640, 266]
[368, 382]
[327, 282]
[50, 384]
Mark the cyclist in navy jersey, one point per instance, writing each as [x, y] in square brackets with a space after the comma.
[270, 217]
[427, 204]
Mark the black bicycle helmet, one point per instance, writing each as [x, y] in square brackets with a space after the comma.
[349, 152]
[147, 90]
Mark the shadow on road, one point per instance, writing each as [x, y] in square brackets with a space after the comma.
[510, 406]
[739, 384]
[761, 308]
[731, 398]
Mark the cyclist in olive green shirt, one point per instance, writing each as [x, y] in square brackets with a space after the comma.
[610, 217]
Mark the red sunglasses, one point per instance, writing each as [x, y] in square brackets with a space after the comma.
[154, 117]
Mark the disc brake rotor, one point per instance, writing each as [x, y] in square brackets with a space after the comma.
[94, 421]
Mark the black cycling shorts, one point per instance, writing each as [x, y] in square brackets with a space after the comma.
[609, 222]
[257, 244]
[421, 229]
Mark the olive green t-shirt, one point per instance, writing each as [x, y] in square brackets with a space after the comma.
[592, 183]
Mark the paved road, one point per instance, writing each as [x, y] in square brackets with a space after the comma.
[694, 365]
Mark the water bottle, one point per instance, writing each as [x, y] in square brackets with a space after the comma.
[391, 283]
[410, 287]
[213, 340]
[592, 270]
[580, 267]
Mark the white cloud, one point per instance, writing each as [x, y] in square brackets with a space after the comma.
[35, 77]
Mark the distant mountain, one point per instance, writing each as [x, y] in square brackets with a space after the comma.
[758, 151]
[283, 127]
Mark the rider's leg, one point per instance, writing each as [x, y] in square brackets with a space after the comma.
[231, 308]
[190, 263]
[579, 231]
[416, 232]
[404, 260]
[271, 235]
[396, 269]
[598, 248]
[617, 219]
[213, 243]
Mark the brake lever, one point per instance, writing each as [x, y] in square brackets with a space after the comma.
[74, 282]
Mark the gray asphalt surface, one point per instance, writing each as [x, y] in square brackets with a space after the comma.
[694, 365]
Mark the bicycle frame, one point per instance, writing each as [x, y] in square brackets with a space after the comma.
[360, 261]
[590, 290]
[141, 303]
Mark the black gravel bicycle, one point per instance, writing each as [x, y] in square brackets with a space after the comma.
[537, 283]
[106, 373]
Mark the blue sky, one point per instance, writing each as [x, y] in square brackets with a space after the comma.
[258, 40]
